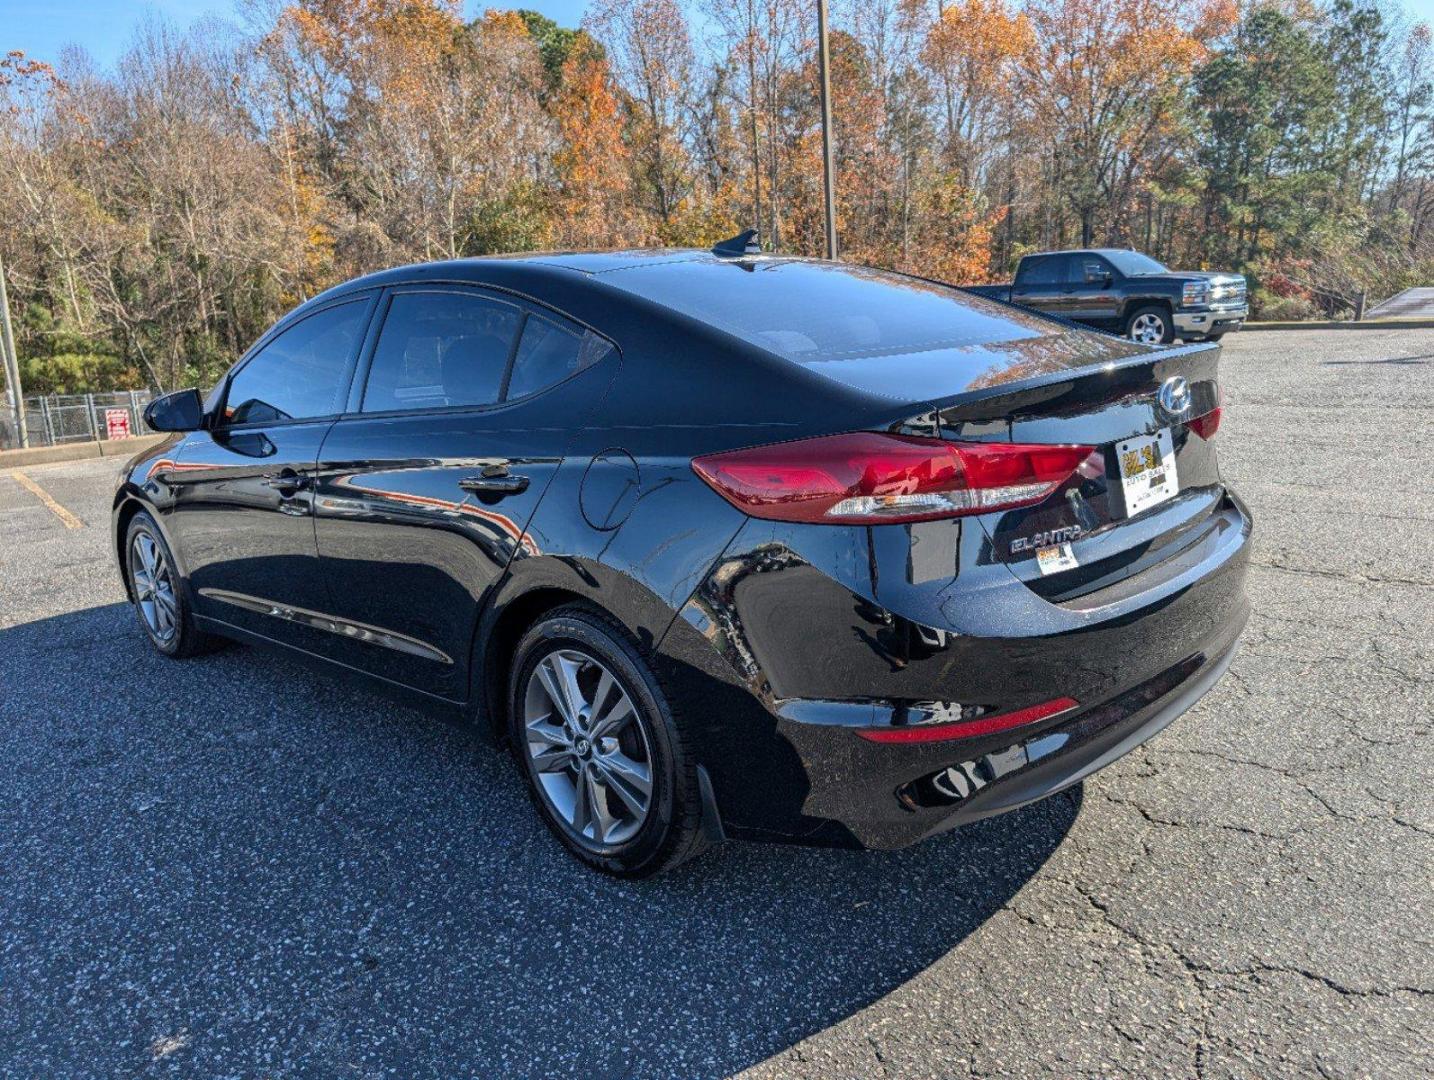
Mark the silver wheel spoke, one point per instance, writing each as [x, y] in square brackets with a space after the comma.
[603, 821]
[544, 732]
[610, 722]
[561, 687]
[164, 609]
[629, 780]
[581, 813]
[553, 759]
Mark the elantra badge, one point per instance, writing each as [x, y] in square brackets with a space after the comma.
[1174, 396]
[1046, 539]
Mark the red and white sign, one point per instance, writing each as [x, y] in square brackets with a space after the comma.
[117, 423]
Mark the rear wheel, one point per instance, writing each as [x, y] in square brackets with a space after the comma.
[600, 748]
[1150, 325]
[158, 591]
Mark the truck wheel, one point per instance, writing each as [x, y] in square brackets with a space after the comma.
[1150, 325]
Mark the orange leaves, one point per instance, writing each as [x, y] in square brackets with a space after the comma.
[979, 37]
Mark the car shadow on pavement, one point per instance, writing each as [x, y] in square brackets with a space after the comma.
[238, 865]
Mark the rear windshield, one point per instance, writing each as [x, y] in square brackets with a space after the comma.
[812, 312]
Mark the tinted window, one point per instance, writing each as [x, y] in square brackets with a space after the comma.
[1134, 263]
[1050, 270]
[300, 372]
[812, 312]
[1094, 271]
[438, 349]
[549, 353]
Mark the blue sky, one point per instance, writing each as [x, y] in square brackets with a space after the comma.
[41, 28]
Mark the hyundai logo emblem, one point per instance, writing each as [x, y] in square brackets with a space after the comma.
[1174, 395]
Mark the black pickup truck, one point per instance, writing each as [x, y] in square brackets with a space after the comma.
[1127, 293]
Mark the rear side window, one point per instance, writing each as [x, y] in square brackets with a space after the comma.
[549, 352]
[300, 373]
[440, 349]
[1050, 270]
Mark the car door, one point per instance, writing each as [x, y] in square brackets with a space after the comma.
[1091, 295]
[427, 485]
[243, 511]
[1041, 283]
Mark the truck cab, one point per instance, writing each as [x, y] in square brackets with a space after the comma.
[1128, 293]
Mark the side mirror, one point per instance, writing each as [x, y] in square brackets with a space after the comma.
[182, 410]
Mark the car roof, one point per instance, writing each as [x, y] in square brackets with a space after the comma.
[1080, 251]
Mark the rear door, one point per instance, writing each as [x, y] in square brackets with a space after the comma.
[243, 512]
[1042, 282]
[427, 485]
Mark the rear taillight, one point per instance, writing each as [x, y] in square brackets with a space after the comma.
[1206, 426]
[870, 477]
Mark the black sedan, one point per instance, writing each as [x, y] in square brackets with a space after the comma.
[720, 544]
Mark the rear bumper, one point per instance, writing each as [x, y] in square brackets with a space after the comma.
[797, 642]
[1044, 761]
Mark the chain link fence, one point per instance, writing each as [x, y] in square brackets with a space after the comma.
[57, 419]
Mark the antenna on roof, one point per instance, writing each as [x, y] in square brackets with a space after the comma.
[745, 242]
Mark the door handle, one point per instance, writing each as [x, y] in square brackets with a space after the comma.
[286, 483]
[501, 484]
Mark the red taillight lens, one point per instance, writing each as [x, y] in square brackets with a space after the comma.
[1206, 426]
[869, 477]
[969, 729]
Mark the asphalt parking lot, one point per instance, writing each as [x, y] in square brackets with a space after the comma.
[235, 867]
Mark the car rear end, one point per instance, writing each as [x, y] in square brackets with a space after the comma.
[973, 601]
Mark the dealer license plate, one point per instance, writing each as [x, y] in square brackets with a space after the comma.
[1147, 471]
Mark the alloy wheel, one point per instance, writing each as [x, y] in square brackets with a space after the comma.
[153, 587]
[1148, 328]
[589, 748]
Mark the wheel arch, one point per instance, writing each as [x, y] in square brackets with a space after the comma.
[534, 587]
[127, 505]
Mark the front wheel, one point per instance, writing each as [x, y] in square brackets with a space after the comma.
[1150, 326]
[602, 752]
[158, 592]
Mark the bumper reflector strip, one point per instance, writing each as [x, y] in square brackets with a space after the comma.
[970, 729]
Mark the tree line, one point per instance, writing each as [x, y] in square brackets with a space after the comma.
[157, 215]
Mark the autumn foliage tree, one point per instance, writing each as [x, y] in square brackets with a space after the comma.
[157, 215]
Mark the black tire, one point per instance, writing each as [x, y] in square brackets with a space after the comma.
[1144, 319]
[177, 637]
[671, 832]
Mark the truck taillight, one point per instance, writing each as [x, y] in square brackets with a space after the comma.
[874, 478]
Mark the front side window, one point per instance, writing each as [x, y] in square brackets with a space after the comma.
[440, 349]
[300, 373]
[1095, 271]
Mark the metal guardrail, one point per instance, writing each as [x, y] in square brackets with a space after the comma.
[58, 419]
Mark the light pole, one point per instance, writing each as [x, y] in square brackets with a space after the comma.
[12, 363]
[828, 170]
